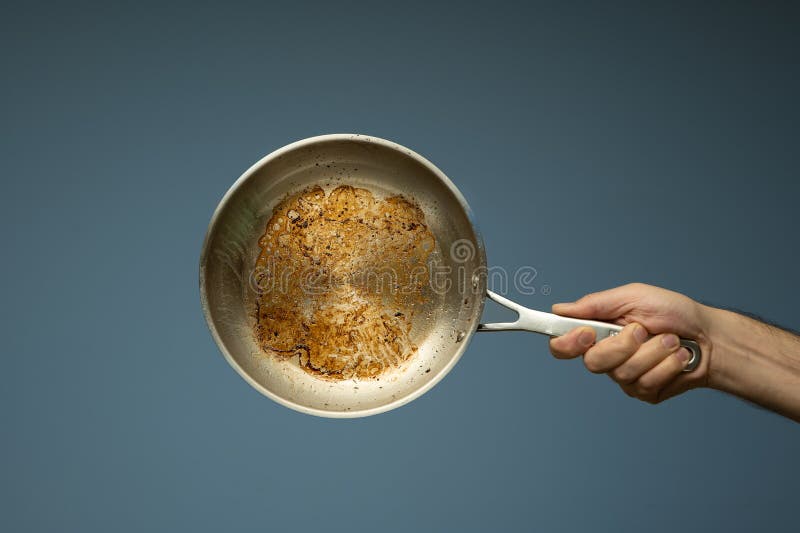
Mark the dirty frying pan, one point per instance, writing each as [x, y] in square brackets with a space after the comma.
[442, 326]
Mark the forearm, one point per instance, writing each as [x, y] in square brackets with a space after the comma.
[755, 361]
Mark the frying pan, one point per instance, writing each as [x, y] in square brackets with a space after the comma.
[442, 327]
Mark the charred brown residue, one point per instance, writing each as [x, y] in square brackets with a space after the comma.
[339, 276]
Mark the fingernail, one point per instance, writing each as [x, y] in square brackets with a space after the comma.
[683, 355]
[586, 338]
[640, 334]
[669, 341]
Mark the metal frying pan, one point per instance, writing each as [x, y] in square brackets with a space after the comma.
[443, 326]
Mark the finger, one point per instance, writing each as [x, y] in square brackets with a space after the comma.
[684, 382]
[647, 357]
[609, 304]
[613, 351]
[573, 344]
[649, 386]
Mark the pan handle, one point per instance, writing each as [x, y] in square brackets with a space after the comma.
[555, 325]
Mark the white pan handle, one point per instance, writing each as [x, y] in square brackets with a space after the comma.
[555, 325]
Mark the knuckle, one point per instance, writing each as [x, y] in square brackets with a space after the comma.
[647, 393]
[646, 383]
[643, 393]
[644, 390]
[588, 303]
[593, 362]
[623, 374]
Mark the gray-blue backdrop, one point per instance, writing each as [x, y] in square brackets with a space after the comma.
[600, 143]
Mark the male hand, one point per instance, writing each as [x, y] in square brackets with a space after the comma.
[645, 358]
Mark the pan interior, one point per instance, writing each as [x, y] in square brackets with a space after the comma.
[441, 326]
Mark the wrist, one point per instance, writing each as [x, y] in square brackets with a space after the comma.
[727, 335]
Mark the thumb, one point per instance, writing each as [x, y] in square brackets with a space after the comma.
[608, 304]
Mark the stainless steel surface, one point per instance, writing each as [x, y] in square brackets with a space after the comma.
[554, 325]
[442, 329]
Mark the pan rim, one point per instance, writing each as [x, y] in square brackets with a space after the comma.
[248, 174]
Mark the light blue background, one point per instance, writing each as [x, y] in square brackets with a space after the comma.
[600, 143]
